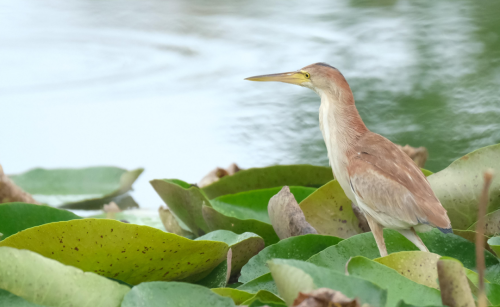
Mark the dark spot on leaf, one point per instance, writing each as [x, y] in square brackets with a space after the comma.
[111, 265]
[76, 248]
[340, 209]
[101, 236]
[111, 230]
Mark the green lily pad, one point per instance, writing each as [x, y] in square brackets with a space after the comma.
[171, 224]
[258, 303]
[264, 282]
[143, 217]
[270, 177]
[470, 236]
[329, 211]
[216, 221]
[217, 278]
[459, 185]
[47, 282]
[492, 224]
[126, 252]
[426, 172]
[15, 217]
[85, 188]
[453, 283]
[264, 296]
[492, 290]
[238, 296]
[495, 244]
[185, 202]
[417, 266]
[9, 299]
[399, 287]
[294, 276]
[253, 204]
[174, 294]
[244, 246]
[335, 257]
[299, 248]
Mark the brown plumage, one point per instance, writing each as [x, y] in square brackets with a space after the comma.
[374, 173]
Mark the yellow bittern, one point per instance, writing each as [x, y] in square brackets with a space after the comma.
[374, 173]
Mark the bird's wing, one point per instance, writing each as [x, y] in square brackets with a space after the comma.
[390, 184]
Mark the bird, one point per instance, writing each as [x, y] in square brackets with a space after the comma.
[375, 174]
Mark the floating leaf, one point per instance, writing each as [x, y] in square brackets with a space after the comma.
[171, 224]
[15, 217]
[329, 211]
[264, 296]
[219, 277]
[470, 236]
[244, 246]
[144, 217]
[85, 188]
[270, 177]
[216, 221]
[238, 296]
[459, 185]
[455, 289]
[264, 282]
[300, 248]
[492, 224]
[417, 266]
[9, 299]
[294, 276]
[253, 204]
[287, 218]
[175, 294]
[492, 290]
[399, 287]
[495, 244]
[127, 252]
[47, 282]
[185, 202]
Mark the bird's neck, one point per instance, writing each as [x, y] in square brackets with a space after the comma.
[341, 124]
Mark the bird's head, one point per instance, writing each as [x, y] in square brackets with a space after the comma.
[318, 77]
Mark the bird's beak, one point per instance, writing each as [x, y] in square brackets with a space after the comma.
[295, 77]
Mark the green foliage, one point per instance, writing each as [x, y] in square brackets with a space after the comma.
[270, 177]
[264, 282]
[137, 216]
[86, 188]
[15, 217]
[127, 252]
[300, 248]
[174, 294]
[9, 299]
[47, 282]
[243, 246]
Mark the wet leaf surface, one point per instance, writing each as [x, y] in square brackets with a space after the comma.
[294, 276]
[270, 177]
[329, 211]
[47, 282]
[399, 287]
[244, 246]
[15, 217]
[299, 248]
[216, 221]
[175, 294]
[264, 282]
[459, 185]
[85, 188]
[127, 252]
[185, 202]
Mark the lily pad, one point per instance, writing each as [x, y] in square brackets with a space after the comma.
[294, 276]
[47, 282]
[470, 235]
[175, 294]
[185, 202]
[459, 185]
[454, 285]
[85, 188]
[238, 296]
[492, 224]
[495, 244]
[329, 211]
[264, 296]
[171, 224]
[299, 248]
[417, 266]
[216, 221]
[253, 204]
[264, 282]
[399, 287]
[218, 277]
[270, 177]
[9, 299]
[244, 246]
[126, 252]
[15, 217]
[143, 217]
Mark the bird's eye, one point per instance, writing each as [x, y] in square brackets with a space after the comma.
[307, 75]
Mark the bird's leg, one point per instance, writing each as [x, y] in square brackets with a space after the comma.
[411, 235]
[378, 233]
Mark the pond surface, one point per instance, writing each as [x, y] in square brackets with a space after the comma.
[159, 84]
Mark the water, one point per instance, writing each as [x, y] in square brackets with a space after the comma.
[159, 84]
